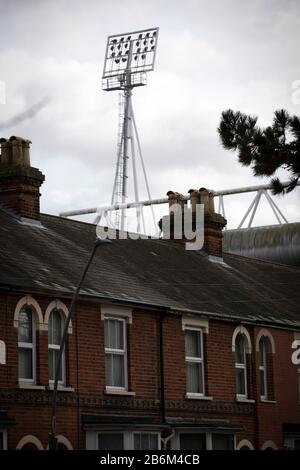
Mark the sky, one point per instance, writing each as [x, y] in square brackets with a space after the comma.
[211, 56]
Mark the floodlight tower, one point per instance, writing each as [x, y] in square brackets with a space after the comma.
[128, 58]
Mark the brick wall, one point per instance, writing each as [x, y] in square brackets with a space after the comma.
[86, 365]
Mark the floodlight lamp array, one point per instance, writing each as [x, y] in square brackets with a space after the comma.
[129, 54]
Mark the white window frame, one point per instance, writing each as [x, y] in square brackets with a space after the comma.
[198, 360]
[157, 434]
[56, 347]
[4, 438]
[120, 352]
[32, 346]
[239, 365]
[263, 367]
[92, 437]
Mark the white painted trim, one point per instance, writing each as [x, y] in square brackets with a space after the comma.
[30, 386]
[2, 352]
[246, 443]
[30, 302]
[269, 444]
[116, 311]
[29, 439]
[60, 387]
[57, 305]
[63, 440]
[191, 321]
[265, 333]
[241, 330]
[243, 399]
[118, 391]
[197, 396]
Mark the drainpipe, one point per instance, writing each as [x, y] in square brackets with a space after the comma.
[162, 375]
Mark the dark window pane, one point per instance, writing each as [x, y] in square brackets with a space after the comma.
[193, 343]
[240, 381]
[25, 326]
[240, 349]
[1, 441]
[222, 442]
[55, 328]
[190, 441]
[114, 334]
[194, 377]
[53, 360]
[111, 441]
[145, 441]
[262, 383]
[262, 349]
[114, 368]
[25, 363]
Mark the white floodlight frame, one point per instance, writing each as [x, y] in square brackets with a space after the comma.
[145, 58]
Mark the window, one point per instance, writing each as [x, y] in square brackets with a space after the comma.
[263, 369]
[145, 441]
[26, 345]
[111, 441]
[115, 353]
[240, 366]
[192, 441]
[123, 440]
[222, 442]
[55, 332]
[194, 361]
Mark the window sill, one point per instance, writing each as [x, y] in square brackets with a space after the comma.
[115, 391]
[197, 396]
[245, 400]
[61, 388]
[267, 401]
[31, 386]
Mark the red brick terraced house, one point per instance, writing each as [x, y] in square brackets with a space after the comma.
[168, 348]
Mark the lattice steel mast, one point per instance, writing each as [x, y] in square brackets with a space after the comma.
[128, 58]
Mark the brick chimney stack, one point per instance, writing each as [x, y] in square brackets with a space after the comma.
[19, 182]
[213, 222]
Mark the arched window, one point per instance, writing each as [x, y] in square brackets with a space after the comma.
[265, 369]
[241, 366]
[55, 332]
[27, 345]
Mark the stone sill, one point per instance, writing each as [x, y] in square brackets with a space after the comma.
[244, 400]
[31, 386]
[196, 396]
[61, 388]
[114, 391]
[267, 401]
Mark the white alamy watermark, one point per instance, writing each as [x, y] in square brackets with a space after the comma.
[181, 224]
[296, 354]
[296, 92]
[2, 92]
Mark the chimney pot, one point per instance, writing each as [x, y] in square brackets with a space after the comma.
[19, 181]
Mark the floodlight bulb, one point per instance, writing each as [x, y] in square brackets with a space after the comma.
[143, 56]
[117, 61]
[140, 36]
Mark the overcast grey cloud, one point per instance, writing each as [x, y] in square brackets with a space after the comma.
[212, 55]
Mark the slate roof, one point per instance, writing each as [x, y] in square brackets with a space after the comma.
[152, 272]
